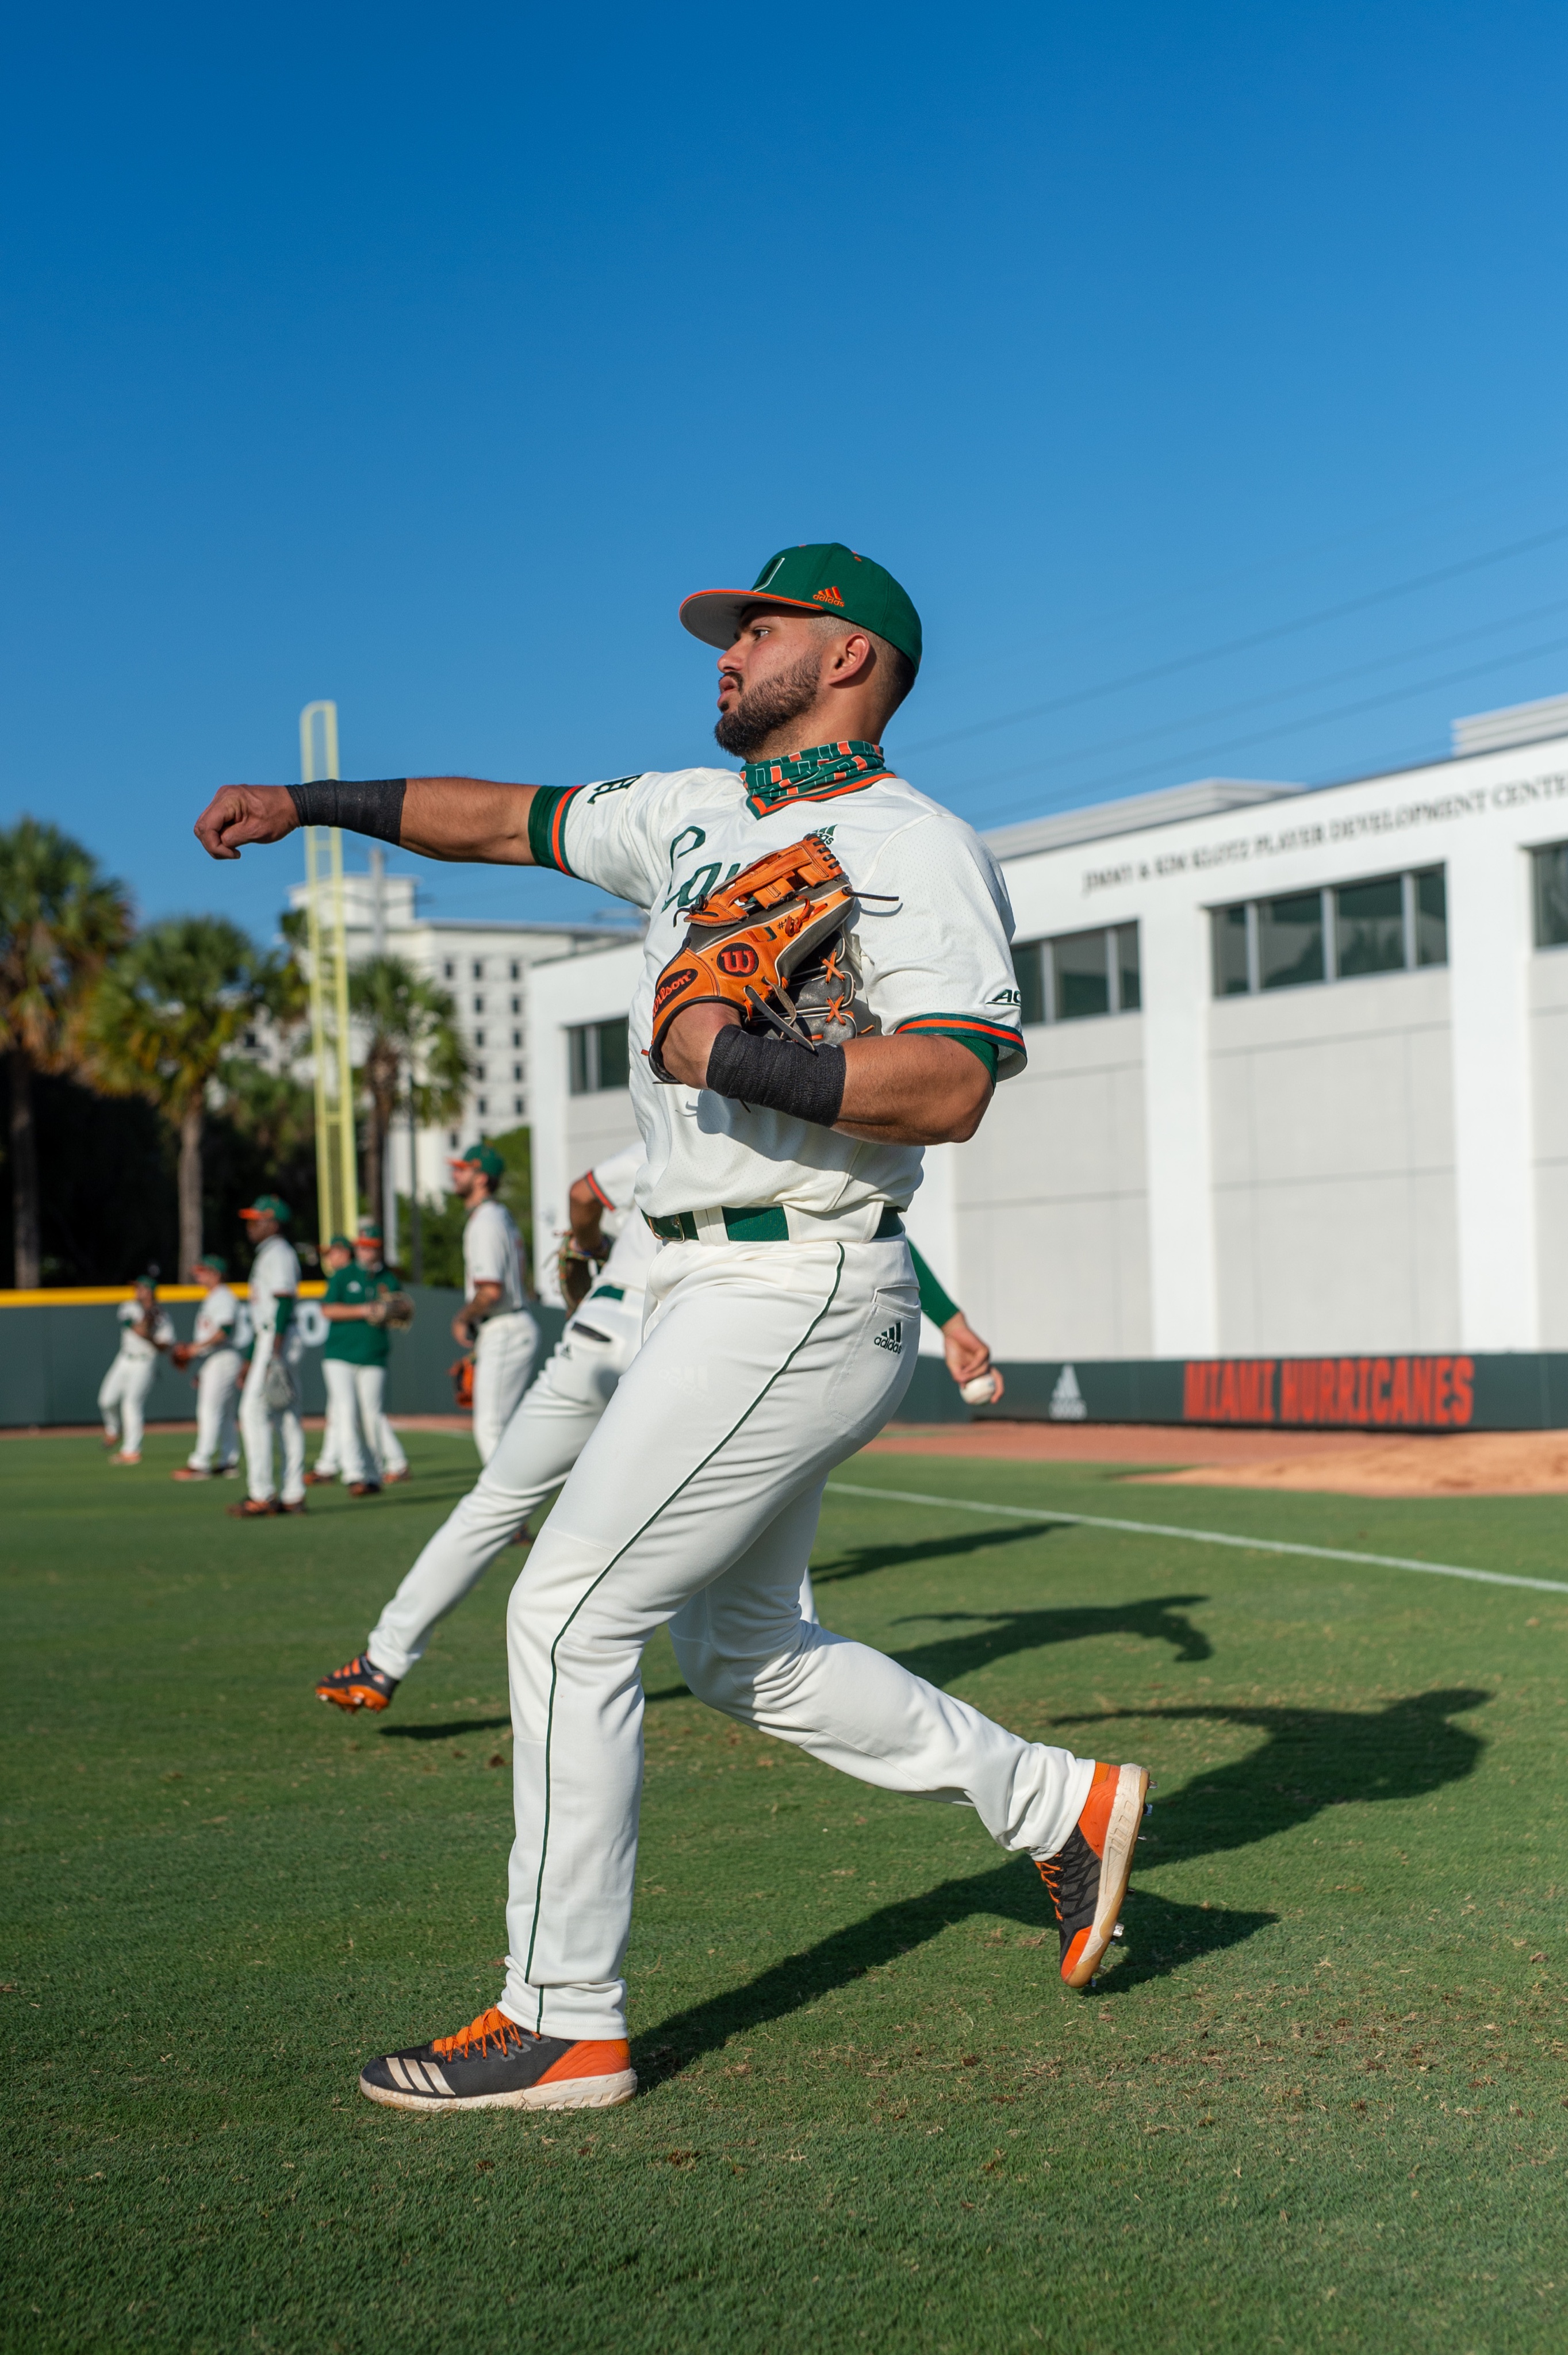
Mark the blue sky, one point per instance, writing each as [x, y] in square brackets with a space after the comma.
[425, 361]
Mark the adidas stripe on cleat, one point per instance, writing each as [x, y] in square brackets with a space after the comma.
[1087, 1878]
[359, 1684]
[494, 2064]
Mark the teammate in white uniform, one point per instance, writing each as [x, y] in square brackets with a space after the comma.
[146, 1333]
[493, 1322]
[269, 1401]
[214, 1348]
[782, 1316]
[328, 1464]
[547, 1434]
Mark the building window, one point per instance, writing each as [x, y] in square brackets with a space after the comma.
[452, 1138]
[1077, 974]
[449, 970]
[518, 1106]
[516, 1038]
[479, 1038]
[599, 1057]
[482, 1107]
[1386, 924]
[479, 1006]
[517, 1002]
[517, 975]
[1549, 890]
[478, 969]
[517, 1071]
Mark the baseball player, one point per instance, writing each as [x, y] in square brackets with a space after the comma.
[493, 1322]
[354, 1361]
[213, 1349]
[827, 990]
[270, 1400]
[146, 1333]
[542, 1441]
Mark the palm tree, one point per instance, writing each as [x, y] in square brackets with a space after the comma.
[414, 1051]
[165, 1019]
[60, 920]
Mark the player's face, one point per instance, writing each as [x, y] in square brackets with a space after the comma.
[337, 1257]
[780, 670]
[368, 1253]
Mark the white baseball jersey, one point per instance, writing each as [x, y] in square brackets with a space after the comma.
[216, 1319]
[490, 1254]
[133, 1348]
[615, 1181]
[274, 1271]
[934, 957]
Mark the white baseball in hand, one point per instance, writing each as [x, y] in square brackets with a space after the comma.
[982, 1389]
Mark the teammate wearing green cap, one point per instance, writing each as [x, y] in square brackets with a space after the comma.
[493, 1321]
[783, 1310]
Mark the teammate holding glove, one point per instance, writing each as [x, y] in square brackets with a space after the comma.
[493, 1322]
[269, 1401]
[855, 1001]
[146, 1333]
[212, 1347]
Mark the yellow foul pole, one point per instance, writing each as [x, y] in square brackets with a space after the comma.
[337, 1190]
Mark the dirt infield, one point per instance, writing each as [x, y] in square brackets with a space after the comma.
[1344, 1463]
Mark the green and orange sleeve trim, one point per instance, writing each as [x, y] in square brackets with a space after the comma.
[547, 821]
[988, 1040]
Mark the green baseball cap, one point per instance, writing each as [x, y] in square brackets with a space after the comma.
[216, 1262]
[483, 1156]
[269, 1206]
[370, 1233]
[826, 578]
[339, 1243]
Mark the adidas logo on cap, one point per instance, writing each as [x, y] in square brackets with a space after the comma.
[892, 1338]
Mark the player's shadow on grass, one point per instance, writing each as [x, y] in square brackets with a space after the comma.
[1312, 1759]
[1159, 1620]
[1160, 1933]
[863, 1560]
[449, 1732]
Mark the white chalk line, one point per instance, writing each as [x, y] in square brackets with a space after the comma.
[1202, 1536]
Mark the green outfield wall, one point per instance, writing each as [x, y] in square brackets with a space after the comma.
[52, 1359]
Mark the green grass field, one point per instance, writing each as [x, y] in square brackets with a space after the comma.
[1318, 2101]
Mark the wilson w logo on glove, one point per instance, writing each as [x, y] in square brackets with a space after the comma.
[774, 942]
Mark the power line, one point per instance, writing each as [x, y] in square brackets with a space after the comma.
[1243, 646]
[1282, 694]
[1344, 711]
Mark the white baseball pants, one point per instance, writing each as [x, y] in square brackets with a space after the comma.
[502, 1360]
[258, 1422]
[217, 1411]
[538, 1448]
[381, 1445]
[123, 1399]
[347, 1421]
[694, 1505]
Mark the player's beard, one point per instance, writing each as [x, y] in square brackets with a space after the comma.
[762, 710]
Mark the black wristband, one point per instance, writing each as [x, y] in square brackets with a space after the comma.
[777, 1074]
[374, 806]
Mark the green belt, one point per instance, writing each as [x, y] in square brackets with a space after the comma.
[767, 1226]
[608, 1292]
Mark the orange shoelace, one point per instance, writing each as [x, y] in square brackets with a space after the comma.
[477, 2035]
[1049, 1871]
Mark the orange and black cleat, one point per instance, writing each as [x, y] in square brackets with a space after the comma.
[1087, 1878]
[494, 2064]
[360, 1683]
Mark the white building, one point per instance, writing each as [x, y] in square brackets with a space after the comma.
[487, 969]
[1296, 1079]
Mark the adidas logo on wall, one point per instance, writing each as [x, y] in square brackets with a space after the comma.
[893, 1339]
[1067, 1400]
